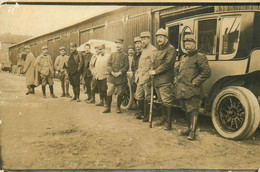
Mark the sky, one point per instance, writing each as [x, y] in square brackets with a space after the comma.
[36, 20]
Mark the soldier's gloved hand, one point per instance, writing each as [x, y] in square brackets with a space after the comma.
[117, 74]
[129, 74]
[152, 72]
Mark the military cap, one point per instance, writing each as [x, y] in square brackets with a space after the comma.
[73, 44]
[145, 34]
[62, 48]
[119, 41]
[44, 47]
[190, 38]
[130, 47]
[137, 39]
[162, 31]
[27, 47]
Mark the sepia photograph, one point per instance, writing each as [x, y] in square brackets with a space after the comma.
[117, 86]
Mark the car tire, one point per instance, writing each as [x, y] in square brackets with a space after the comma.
[235, 113]
[128, 97]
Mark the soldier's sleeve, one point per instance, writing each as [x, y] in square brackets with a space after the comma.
[168, 62]
[37, 64]
[27, 63]
[56, 64]
[109, 64]
[204, 69]
[126, 65]
[80, 62]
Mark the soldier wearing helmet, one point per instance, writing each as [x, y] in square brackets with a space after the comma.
[163, 74]
[193, 70]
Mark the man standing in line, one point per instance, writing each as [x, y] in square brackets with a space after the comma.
[86, 74]
[163, 74]
[44, 65]
[117, 67]
[61, 65]
[193, 70]
[28, 68]
[101, 74]
[143, 90]
[74, 70]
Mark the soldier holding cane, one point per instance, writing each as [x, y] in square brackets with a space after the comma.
[163, 73]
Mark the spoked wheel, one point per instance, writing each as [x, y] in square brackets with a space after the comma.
[235, 113]
[128, 96]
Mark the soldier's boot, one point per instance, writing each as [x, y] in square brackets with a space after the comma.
[89, 96]
[194, 121]
[63, 89]
[67, 85]
[163, 117]
[92, 100]
[119, 101]
[101, 103]
[140, 114]
[33, 91]
[74, 92]
[78, 93]
[169, 117]
[51, 91]
[105, 99]
[44, 91]
[146, 111]
[186, 132]
[108, 108]
[28, 91]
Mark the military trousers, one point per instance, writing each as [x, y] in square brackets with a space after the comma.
[46, 79]
[191, 104]
[165, 93]
[143, 91]
[111, 89]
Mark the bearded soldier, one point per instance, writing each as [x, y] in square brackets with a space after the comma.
[74, 70]
[44, 65]
[163, 75]
[143, 90]
[193, 71]
[117, 66]
[61, 65]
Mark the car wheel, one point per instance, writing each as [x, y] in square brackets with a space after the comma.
[128, 96]
[235, 113]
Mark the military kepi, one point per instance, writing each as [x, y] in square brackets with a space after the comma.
[145, 34]
[44, 47]
[137, 39]
[130, 47]
[162, 31]
[73, 44]
[190, 38]
[119, 41]
[62, 48]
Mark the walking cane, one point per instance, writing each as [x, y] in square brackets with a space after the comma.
[151, 105]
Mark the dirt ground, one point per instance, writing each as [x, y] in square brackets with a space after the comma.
[49, 133]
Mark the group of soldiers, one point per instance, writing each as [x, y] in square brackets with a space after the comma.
[144, 65]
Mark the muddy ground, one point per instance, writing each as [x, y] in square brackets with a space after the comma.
[49, 133]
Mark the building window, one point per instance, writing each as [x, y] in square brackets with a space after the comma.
[229, 36]
[207, 30]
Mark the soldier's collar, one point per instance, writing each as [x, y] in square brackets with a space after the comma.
[192, 53]
[164, 46]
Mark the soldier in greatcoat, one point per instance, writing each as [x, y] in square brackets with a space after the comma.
[86, 73]
[193, 70]
[117, 67]
[75, 64]
[61, 65]
[44, 66]
[28, 68]
[163, 74]
[143, 79]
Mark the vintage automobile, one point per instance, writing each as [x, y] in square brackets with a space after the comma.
[231, 42]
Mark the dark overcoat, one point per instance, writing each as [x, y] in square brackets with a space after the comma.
[86, 57]
[163, 65]
[117, 62]
[193, 68]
